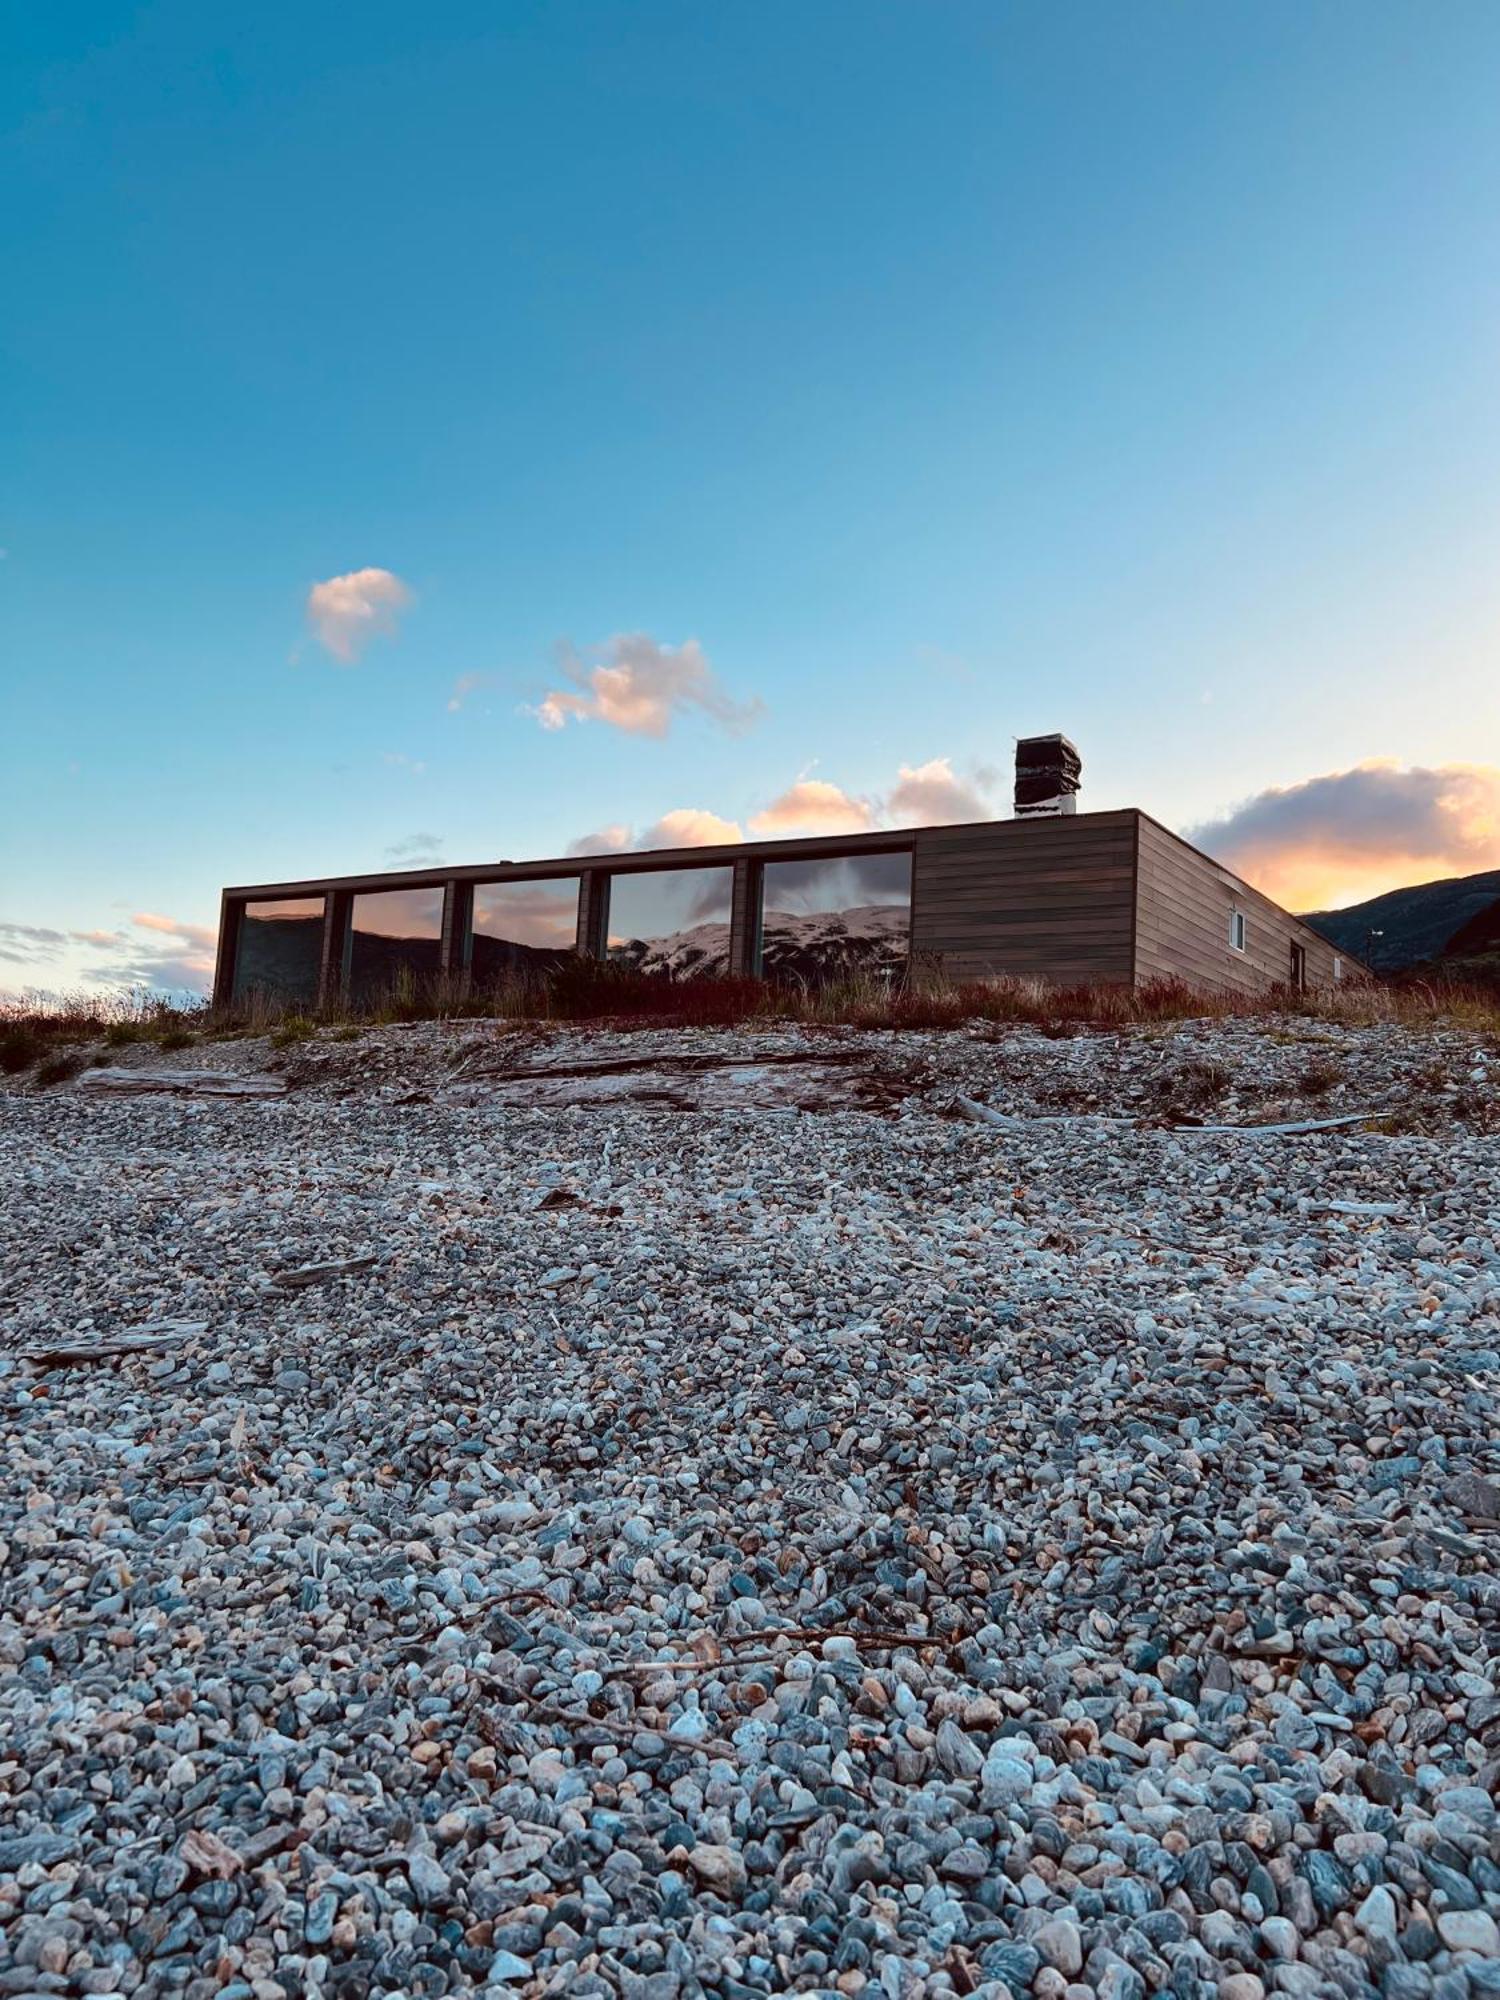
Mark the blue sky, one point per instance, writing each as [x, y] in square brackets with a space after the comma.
[906, 378]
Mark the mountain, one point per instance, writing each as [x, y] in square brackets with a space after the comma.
[807, 949]
[1418, 924]
[834, 943]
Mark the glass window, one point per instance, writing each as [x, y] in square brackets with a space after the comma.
[824, 920]
[522, 927]
[671, 920]
[280, 949]
[1236, 930]
[396, 944]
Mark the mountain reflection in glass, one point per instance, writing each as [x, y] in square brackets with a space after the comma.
[396, 945]
[830, 920]
[280, 949]
[522, 928]
[671, 920]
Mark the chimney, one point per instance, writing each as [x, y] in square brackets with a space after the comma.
[1047, 772]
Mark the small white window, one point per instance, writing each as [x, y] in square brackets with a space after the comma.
[1338, 966]
[1236, 930]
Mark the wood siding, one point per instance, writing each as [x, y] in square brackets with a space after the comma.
[1183, 904]
[1080, 899]
[1049, 899]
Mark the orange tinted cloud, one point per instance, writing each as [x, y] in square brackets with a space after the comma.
[607, 840]
[348, 611]
[932, 794]
[1346, 835]
[813, 805]
[691, 826]
[198, 934]
[638, 686]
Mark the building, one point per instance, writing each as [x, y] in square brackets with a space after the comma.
[1053, 894]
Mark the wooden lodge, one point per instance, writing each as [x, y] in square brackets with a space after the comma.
[1052, 894]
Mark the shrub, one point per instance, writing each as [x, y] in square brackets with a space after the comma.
[295, 1028]
[1319, 1078]
[1195, 1086]
[59, 1068]
[585, 989]
[19, 1049]
[177, 1038]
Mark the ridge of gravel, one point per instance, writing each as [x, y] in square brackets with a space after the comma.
[725, 1546]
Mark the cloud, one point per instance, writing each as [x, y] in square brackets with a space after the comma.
[1349, 834]
[683, 826]
[608, 840]
[347, 612]
[399, 761]
[463, 687]
[173, 957]
[638, 686]
[928, 794]
[161, 954]
[844, 883]
[931, 794]
[30, 944]
[813, 805]
[417, 850]
[691, 826]
[197, 934]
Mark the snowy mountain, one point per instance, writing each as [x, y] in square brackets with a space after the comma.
[808, 948]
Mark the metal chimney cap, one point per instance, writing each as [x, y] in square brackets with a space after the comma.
[1046, 749]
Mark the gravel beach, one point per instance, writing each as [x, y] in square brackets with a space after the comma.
[553, 1511]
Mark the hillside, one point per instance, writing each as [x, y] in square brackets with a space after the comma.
[1417, 924]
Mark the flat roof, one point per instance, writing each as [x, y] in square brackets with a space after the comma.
[634, 861]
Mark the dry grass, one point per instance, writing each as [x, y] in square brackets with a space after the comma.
[1193, 1087]
[580, 990]
[1319, 1078]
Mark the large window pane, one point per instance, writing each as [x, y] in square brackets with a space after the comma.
[836, 919]
[397, 942]
[671, 920]
[279, 950]
[522, 927]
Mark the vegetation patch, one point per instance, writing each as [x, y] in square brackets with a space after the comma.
[60, 1068]
[19, 1049]
[625, 996]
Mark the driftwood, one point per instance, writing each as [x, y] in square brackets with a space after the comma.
[1292, 1126]
[138, 1340]
[185, 1082]
[986, 1114]
[318, 1274]
[1003, 1121]
[1354, 1208]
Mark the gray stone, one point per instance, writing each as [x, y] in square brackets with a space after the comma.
[1060, 1944]
[1470, 1930]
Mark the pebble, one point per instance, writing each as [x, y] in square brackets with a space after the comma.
[828, 1547]
[1470, 1930]
[1061, 1944]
